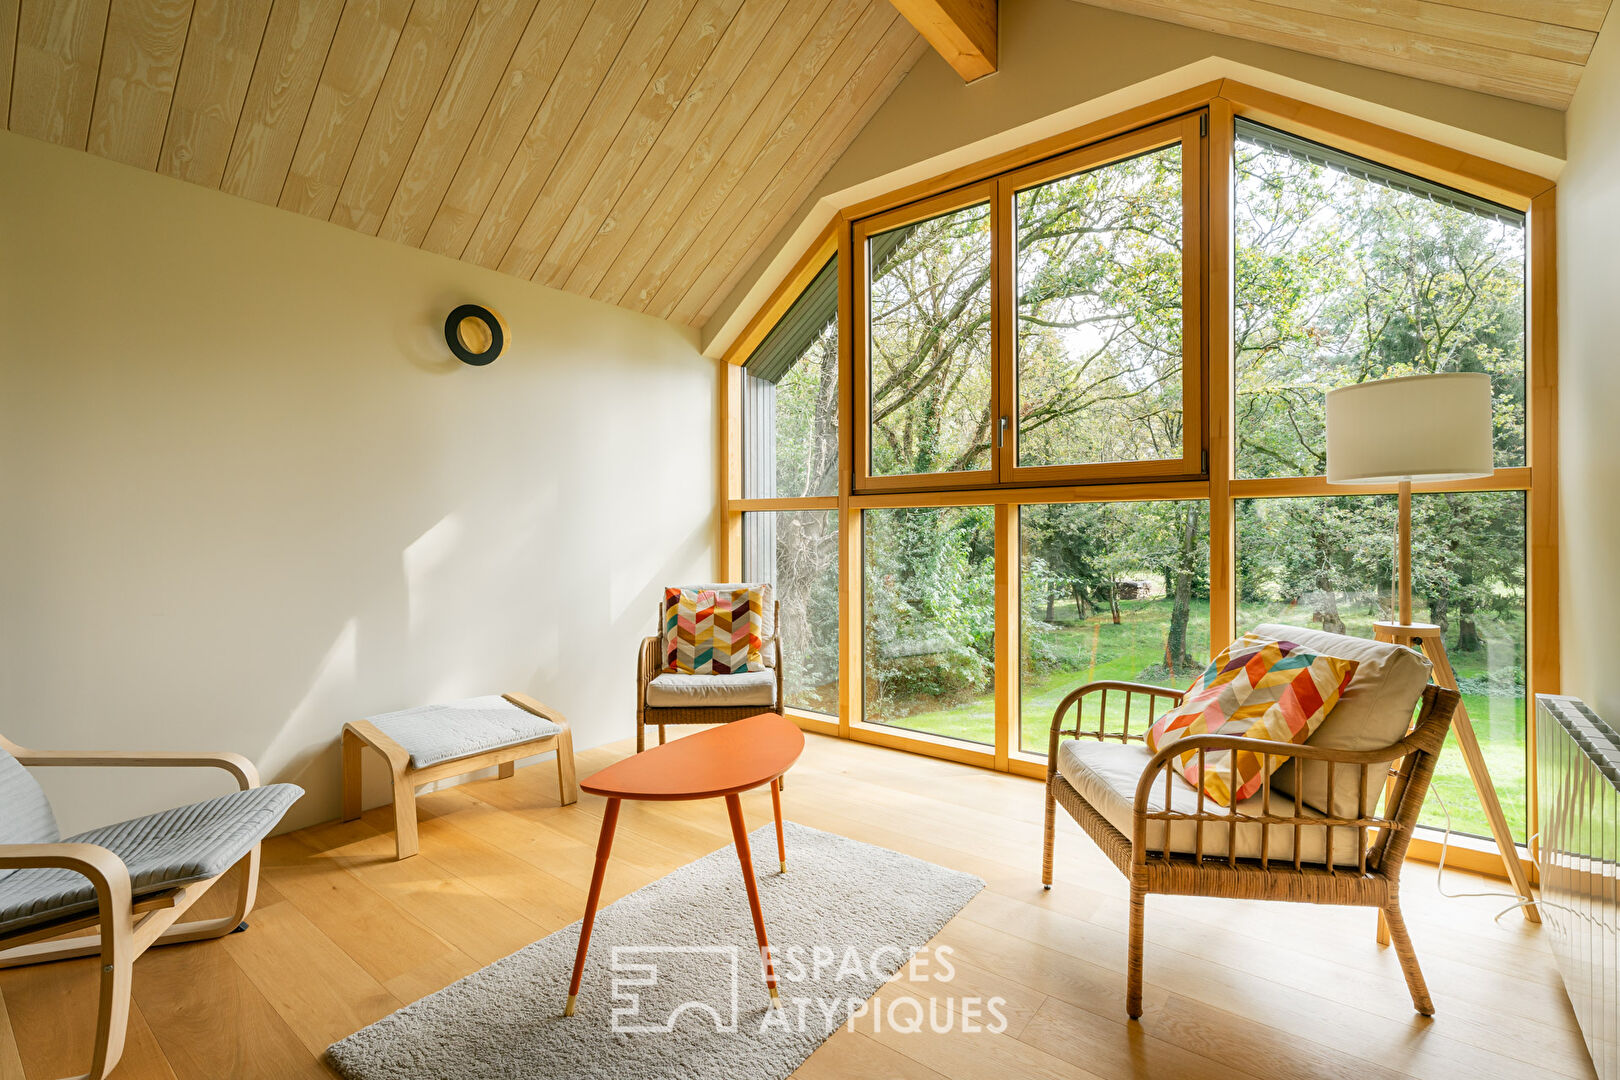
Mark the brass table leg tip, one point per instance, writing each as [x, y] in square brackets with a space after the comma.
[568, 1009]
[776, 1002]
[784, 868]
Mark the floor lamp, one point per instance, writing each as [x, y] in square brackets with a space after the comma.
[1433, 428]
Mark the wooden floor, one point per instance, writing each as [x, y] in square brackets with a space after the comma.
[343, 935]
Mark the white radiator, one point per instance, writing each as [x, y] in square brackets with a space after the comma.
[1578, 797]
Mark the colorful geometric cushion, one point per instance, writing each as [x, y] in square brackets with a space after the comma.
[1257, 688]
[713, 632]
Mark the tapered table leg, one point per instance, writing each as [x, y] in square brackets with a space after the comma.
[604, 845]
[776, 804]
[739, 834]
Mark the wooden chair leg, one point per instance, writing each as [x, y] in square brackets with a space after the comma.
[247, 891]
[1383, 928]
[567, 781]
[1408, 957]
[1133, 962]
[353, 747]
[112, 1011]
[405, 839]
[1051, 826]
[641, 731]
[660, 734]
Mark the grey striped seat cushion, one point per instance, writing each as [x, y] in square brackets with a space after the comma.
[458, 729]
[162, 851]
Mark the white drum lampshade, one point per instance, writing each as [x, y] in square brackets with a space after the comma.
[1422, 427]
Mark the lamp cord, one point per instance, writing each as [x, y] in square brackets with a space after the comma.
[1519, 901]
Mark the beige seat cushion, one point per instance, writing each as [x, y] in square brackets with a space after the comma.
[675, 691]
[1374, 711]
[767, 629]
[1106, 774]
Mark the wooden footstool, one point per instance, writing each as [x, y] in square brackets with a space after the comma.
[434, 741]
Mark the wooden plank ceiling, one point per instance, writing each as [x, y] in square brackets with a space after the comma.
[1529, 50]
[641, 152]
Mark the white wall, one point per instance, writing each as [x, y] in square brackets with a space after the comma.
[248, 494]
[1589, 385]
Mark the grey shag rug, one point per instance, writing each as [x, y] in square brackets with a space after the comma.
[673, 985]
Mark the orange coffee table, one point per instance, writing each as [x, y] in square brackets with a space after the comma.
[719, 762]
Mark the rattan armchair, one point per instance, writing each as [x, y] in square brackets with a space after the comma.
[712, 709]
[1257, 849]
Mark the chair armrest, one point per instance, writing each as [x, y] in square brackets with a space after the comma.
[106, 871]
[1076, 696]
[247, 776]
[1161, 761]
[529, 705]
[646, 668]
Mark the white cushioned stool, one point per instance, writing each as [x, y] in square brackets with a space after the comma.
[431, 742]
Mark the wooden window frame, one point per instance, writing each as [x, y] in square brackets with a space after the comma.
[1188, 132]
[922, 210]
[1224, 100]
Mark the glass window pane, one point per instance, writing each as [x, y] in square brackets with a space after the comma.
[930, 364]
[1329, 563]
[797, 552]
[1099, 314]
[790, 399]
[1110, 591]
[930, 647]
[1345, 278]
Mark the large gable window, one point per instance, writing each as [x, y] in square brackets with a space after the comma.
[1073, 429]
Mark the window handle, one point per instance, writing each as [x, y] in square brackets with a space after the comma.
[1001, 433]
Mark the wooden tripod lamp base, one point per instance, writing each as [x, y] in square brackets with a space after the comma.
[1425, 638]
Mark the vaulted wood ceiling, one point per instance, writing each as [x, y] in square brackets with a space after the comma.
[1530, 50]
[642, 152]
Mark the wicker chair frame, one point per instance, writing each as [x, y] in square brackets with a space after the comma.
[647, 667]
[1381, 841]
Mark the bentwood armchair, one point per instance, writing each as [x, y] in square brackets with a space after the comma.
[1166, 838]
[128, 883]
[666, 698]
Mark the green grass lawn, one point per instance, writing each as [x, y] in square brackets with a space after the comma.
[1094, 648]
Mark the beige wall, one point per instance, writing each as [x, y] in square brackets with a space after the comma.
[248, 494]
[1589, 385]
[1057, 54]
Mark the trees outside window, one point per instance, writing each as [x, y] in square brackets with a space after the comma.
[930, 345]
[1329, 563]
[1345, 278]
[930, 629]
[1111, 590]
[797, 552]
[1099, 314]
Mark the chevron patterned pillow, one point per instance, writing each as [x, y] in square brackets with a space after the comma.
[1257, 688]
[713, 632]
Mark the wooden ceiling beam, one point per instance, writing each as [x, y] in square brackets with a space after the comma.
[963, 32]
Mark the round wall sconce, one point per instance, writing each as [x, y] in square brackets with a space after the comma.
[475, 334]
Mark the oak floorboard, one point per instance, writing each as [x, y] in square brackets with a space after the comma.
[212, 1022]
[11, 1067]
[852, 1053]
[319, 990]
[53, 1019]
